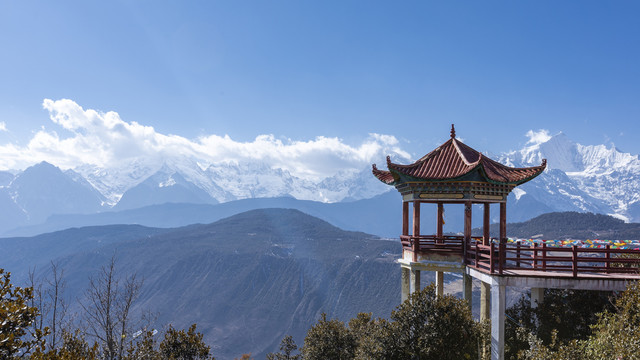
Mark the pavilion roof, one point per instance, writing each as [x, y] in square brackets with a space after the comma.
[454, 160]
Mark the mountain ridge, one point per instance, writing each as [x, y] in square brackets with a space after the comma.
[593, 178]
[246, 280]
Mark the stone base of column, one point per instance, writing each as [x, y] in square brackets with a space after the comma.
[439, 283]
[405, 280]
[467, 289]
[537, 296]
[485, 293]
[414, 283]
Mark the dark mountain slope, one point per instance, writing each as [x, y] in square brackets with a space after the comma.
[250, 279]
[380, 215]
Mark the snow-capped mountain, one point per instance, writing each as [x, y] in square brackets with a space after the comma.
[229, 181]
[593, 178]
[165, 186]
[44, 189]
[597, 179]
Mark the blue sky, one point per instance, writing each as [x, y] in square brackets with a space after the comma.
[337, 69]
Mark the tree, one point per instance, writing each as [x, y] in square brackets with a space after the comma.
[287, 347]
[18, 338]
[537, 350]
[616, 335]
[427, 326]
[50, 301]
[57, 285]
[74, 346]
[564, 315]
[178, 345]
[244, 357]
[107, 309]
[143, 348]
[329, 339]
[424, 327]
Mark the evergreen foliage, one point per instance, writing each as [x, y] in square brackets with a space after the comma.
[17, 335]
[181, 345]
[329, 339]
[287, 347]
[74, 346]
[425, 327]
[564, 315]
[615, 335]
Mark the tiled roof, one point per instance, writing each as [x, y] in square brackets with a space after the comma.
[454, 159]
[384, 176]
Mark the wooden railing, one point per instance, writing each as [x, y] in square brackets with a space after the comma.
[497, 258]
[432, 243]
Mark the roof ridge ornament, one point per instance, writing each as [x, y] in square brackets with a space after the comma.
[453, 131]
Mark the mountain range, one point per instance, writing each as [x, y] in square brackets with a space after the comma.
[594, 178]
[252, 278]
[247, 280]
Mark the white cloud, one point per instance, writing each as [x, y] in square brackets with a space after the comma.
[105, 140]
[3, 126]
[538, 137]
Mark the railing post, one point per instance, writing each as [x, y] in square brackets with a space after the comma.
[535, 256]
[544, 256]
[491, 254]
[501, 253]
[574, 260]
[477, 255]
[607, 256]
[518, 254]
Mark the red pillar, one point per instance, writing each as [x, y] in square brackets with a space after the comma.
[467, 227]
[486, 224]
[440, 221]
[503, 222]
[416, 229]
[503, 236]
[405, 218]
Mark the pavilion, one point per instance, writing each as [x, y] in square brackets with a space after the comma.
[454, 173]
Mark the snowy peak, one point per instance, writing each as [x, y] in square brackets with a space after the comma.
[165, 186]
[44, 189]
[598, 159]
[561, 153]
[595, 178]
[564, 154]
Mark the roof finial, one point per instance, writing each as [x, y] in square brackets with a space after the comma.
[453, 131]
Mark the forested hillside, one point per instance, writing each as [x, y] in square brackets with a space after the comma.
[571, 225]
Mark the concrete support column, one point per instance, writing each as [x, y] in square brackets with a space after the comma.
[467, 291]
[439, 283]
[485, 293]
[498, 299]
[537, 296]
[405, 282]
[414, 283]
